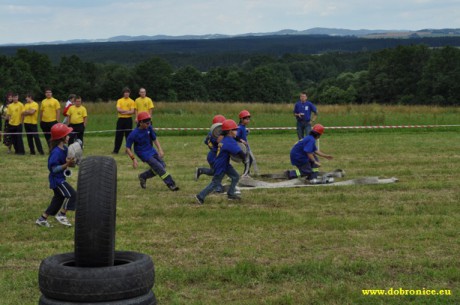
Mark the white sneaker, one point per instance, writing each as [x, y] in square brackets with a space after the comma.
[42, 223]
[63, 220]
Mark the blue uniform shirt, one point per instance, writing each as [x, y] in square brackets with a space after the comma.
[228, 146]
[57, 157]
[306, 108]
[142, 140]
[212, 144]
[301, 148]
[242, 132]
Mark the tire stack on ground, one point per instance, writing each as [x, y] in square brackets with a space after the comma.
[95, 273]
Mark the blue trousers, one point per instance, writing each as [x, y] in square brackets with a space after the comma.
[303, 129]
[157, 167]
[217, 180]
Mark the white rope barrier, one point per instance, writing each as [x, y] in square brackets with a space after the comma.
[257, 128]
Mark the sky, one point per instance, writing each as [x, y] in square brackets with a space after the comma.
[29, 21]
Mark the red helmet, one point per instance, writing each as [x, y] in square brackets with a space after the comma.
[59, 131]
[318, 128]
[229, 125]
[141, 116]
[244, 114]
[218, 119]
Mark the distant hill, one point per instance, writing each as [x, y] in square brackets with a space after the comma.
[205, 54]
[313, 31]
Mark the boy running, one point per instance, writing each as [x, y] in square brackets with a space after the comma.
[142, 138]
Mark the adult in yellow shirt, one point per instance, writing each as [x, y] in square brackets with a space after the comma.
[143, 103]
[77, 118]
[30, 115]
[125, 108]
[50, 114]
[14, 116]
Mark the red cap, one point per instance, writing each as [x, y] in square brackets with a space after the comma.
[318, 128]
[59, 131]
[218, 119]
[244, 114]
[229, 125]
[141, 116]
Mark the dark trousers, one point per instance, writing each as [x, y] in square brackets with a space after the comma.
[158, 167]
[124, 128]
[64, 196]
[77, 133]
[16, 139]
[32, 135]
[309, 170]
[303, 129]
[46, 128]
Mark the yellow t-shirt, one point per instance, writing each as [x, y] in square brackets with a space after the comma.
[15, 110]
[77, 114]
[48, 109]
[32, 118]
[144, 104]
[125, 104]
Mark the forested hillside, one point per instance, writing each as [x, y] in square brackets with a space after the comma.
[334, 70]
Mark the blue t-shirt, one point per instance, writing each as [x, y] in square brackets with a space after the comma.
[142, 140]
[57, 157]
[212, 144]
[306, 108]
[301, 148]
[228, 146]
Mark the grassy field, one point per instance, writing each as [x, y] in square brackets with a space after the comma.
[315, 245]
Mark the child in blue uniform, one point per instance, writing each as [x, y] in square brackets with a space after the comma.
[64, 195]
[304, 156]
[242, 134]
[228, 146]
[212, 142]
[142, 138]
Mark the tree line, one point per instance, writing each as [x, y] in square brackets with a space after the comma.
[415, 74]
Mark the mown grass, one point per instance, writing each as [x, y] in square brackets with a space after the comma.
[102, 116]
[279, 246]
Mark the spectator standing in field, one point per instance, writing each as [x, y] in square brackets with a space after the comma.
[78, 118]
[70, 102]
[143, 103]
[30, 115]
[125, 108]
[6, 137]
[305, 113]
[14, 115]
[228, 146]
[64, 198]
[50, 114]
[142, 138]
[304, 156]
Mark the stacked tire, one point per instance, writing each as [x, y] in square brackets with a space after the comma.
[95, 273]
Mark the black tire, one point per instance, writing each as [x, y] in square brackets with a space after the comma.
[132, 275]
[146, 299]
[96, 212]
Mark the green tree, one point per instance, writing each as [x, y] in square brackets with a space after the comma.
[440, 83]
[189, 85]
[155, 76]
[77, 77]
[114, 79]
